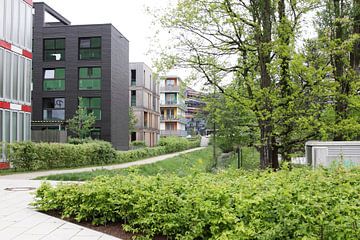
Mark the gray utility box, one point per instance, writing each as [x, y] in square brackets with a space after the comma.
[325, 153]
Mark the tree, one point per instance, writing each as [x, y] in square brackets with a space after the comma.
[82, 122]
[246, 49]
[132, 120]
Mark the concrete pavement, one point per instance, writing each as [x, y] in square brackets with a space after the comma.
[19, 221]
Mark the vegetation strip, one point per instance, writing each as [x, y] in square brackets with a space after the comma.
[306, 204]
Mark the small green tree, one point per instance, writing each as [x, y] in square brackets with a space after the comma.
[132, 120]
[82, 122]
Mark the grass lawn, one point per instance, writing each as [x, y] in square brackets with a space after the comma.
[181, 165]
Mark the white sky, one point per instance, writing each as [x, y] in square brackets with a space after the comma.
[128, 16]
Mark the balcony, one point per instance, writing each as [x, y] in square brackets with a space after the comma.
[179, 133]
[172, 103]
[170, 88]
[173, 119]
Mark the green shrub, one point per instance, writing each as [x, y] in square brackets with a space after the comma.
[35, 156]
[176, 144]
[78, 141]
[297, 204]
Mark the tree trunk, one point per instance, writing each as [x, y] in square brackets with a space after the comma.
[355, 55]
[267, 158]
[343, 89]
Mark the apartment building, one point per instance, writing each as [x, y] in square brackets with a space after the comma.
[15, 72]
[195, 118]
[172, 107]
[144, 99]
[85, 65]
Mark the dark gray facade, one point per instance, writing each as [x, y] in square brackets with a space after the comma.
[114, 64]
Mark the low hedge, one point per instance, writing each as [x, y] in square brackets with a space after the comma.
[37, 156]
[297, 204]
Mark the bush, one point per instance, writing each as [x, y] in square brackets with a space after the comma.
[35, 156]
[77, 141]
[137, 144]
[176, 144]
[297, 204]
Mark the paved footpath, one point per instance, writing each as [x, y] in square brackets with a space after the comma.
[19, 221]
[32, 175]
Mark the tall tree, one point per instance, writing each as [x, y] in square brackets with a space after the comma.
[238, 47]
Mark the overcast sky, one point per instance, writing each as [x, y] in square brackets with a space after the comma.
[128, 16]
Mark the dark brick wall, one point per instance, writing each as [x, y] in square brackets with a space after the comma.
[114, 64]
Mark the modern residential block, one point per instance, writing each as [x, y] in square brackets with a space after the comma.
[144, 100]
[90, 62]
[195, 117]
[15, 72]
[172, 107]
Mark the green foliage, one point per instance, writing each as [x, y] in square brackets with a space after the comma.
[138, 144]
[36, 156]
[297, 204]
[175, 144]
[182, 165]
[132, 120]
[82, 122]
[77, 141]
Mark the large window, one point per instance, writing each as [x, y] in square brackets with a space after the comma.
[90, 48]
[54, 49]
[90, 78]
[54, 79]
[133, 98]
[54, 109]
[171, 98]
[93, 105]
[133, 77]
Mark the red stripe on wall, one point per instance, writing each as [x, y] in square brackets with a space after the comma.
[27, 54]
[30, 2]
[5, 105]
[26, 108]
[5, 45]
[4, 165]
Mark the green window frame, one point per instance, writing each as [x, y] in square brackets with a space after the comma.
[92, 105]
[90, 78]
[54, 49]
[90, 48]
[54, 79]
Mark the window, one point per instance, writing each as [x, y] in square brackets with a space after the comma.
[133, 77]
[133, 136]
[54, 109]
[145, 119]
[90, 48]
[54, 79]
[170, 82]
[90, 78]
[54, 49]
[133, 98]
[95, 133]
[93, 105]
[171, 98]
[170, 126]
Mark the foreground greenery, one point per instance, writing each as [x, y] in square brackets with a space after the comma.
[297, 204]
[37, 156]
[181, 165]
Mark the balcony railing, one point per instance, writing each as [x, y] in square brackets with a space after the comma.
[54, 114]
[174, 103]
[173, 118]
[170, 89]
[180, 133]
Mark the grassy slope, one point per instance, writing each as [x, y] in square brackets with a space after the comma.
[180, 165]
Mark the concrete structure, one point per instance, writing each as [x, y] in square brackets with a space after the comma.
[195, 119]
[144, 98]
[172, 107]
[325, 153]
[15, 72]
[87, 61]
